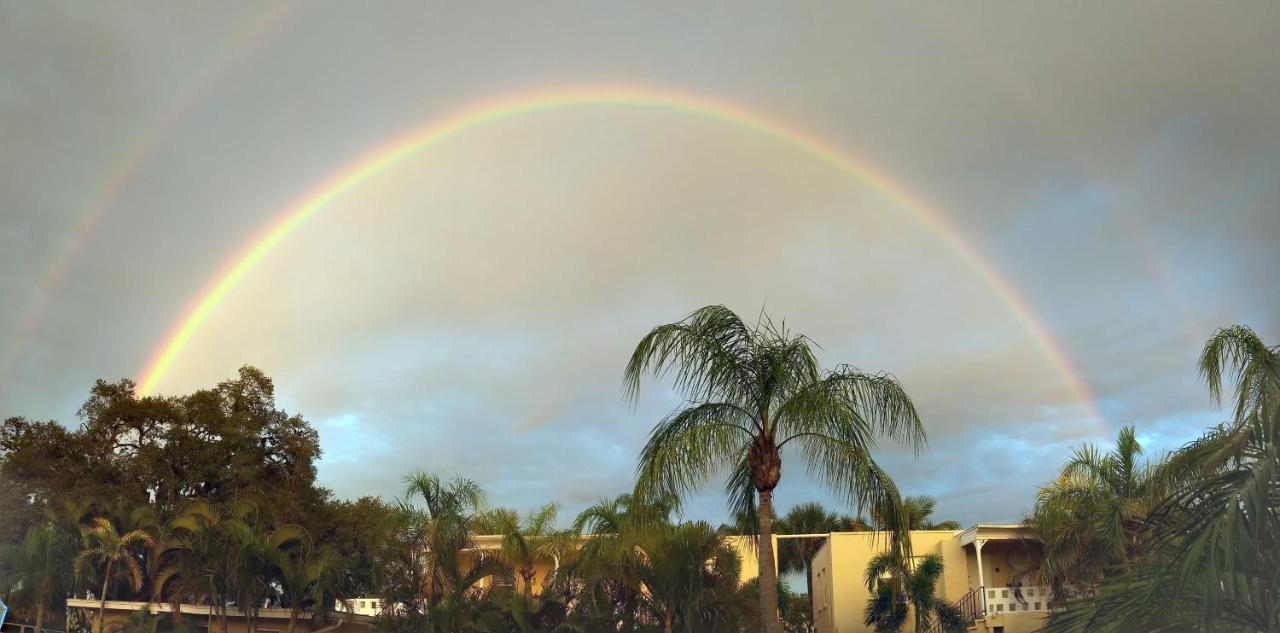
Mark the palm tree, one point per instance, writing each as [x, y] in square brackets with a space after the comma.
[1211, 549]
[753, 391]
[35, 571]
[525, 543]
[198, 556]
[104, 544]
[610, 560]
[304, 574]
[690, 574]
[1090, 517]
[901, 586]
[918, 512]
[255, 551]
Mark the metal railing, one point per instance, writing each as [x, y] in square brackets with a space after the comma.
[972, 605]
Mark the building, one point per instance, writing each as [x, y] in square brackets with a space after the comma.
[990, 571]
[117, 612]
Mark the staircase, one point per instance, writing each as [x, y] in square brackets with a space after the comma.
[972, 605]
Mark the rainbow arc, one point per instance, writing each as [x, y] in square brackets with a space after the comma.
[417, 140]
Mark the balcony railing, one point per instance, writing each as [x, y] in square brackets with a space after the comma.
[1017, 599]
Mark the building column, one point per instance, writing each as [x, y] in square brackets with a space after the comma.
[977, 546]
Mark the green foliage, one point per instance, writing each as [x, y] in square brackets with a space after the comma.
[1210, 555]
[1091, 516]
[33, 574]
[905, 589]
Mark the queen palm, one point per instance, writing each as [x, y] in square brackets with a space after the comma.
[753, 390]
[1091, 516]
[35, 571]
[114, 551]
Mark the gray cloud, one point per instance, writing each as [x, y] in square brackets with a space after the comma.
[470, 310]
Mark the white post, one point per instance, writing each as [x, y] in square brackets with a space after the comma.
[977, 546]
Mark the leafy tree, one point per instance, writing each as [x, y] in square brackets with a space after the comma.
[753, 391]
[1090, 518]
[1212, 547]
[35, 574]
[904, 587]
[114, 551]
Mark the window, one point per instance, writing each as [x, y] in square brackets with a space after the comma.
[998, 629]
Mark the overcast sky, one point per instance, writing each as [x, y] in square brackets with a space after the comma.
[470, 309]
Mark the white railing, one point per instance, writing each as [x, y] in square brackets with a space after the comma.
[1017, 599]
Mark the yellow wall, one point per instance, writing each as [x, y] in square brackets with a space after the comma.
[841, 595]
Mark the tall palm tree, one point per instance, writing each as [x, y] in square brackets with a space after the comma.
[1211, 556]
[108, 547]
[34, 572]
[754, 390]
[1090, 517]
[904, 587]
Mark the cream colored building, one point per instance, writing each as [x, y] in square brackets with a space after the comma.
[990, 571]
[745, 547]
[117, 612]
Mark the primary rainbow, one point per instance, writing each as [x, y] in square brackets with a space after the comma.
[393, 151]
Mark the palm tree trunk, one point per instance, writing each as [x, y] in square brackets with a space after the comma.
[668, 621]
[102, 598]
[40, 618]
[768, 572]
[293, 618]
[209, 618]
[808, 583]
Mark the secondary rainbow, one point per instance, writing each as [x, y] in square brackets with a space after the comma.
[388, 154]
[119, 173]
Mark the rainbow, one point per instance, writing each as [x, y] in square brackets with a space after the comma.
[120, 172]
[388, 154]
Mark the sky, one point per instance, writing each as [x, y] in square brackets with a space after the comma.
[1096, 178]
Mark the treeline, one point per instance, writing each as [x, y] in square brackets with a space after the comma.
[1187, 541]
[210, 499]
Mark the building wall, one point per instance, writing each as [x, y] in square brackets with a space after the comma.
[841, 595]
[269, 620]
